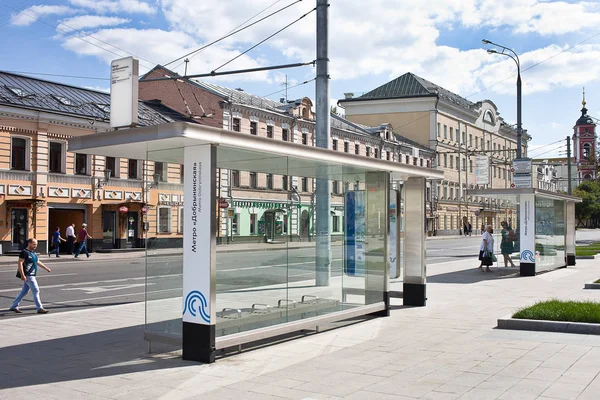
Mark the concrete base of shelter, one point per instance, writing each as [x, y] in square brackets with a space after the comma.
[592, 285]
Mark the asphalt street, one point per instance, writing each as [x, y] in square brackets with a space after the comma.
[90, 283]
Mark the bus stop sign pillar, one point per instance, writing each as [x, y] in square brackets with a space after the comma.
[199, 254]
[415, 271]
[527, 234]
[570, 232]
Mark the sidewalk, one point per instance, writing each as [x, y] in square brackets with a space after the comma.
[447, 350]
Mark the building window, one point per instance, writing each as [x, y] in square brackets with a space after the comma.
[586, 150]
[111, 165]
[464, 138]
[304, 186]
[446, 160]
[407, 157]
[270, 131]
[56, 157]
[335, 187]
[81, 164]
[464, 164]
[164, 219]
[438, 130]
[414, 160]
[284, 135]
[253, 128]
[445, 132]
[252, 224]
[335, 223]
[19, 154]
[376, 153]
[346, 147]
[181, 173]
[270, 181]
[253, 181]
[421, 162]
[235, 178]
[368, 151]
[235, 220]
[451, 161]
[387, 155]
[180, 220]
[470, 165]
[160, 169]
[356, 149]
[476, 142]
[236, 124]
[470, 140]
[284, 182]
[335, 144]
[305, 138]
[451, 134]
[132, 169]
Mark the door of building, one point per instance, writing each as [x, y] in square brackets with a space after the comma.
[305, 224]
[132, 229]
[109, 224]
[270, 225]
[20, 228]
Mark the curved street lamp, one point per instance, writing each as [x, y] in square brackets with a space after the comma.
[505, 51]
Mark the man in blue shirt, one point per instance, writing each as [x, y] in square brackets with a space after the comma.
[56, 239]
[28, 265]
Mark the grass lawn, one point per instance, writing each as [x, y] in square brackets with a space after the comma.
[588, 250]
[557, 310]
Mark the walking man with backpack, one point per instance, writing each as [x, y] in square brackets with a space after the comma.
[28, 266]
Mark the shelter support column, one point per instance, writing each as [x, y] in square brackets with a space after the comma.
[527, 234]
[415, 269]
[570, 232]
[199, 253]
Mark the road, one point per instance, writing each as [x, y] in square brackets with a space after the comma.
[90, 283]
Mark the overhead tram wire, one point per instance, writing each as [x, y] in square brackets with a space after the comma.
[59, 75]
[194, 54]
[290, 87]
[233, 33]
[265, 39]
[549, 151]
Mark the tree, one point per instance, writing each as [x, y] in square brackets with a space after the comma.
[588, 211]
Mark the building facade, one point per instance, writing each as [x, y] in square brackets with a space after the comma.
[584, 146]
[262, 207]
[455, 130]
[44, 186]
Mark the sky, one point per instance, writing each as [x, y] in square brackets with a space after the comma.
[370, 43]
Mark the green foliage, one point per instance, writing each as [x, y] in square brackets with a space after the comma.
[589, 208]
[557, 310]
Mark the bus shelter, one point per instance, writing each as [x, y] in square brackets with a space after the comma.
[204, 298]
[542, 224]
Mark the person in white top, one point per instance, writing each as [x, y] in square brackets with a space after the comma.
[70, 237]
[487, 243]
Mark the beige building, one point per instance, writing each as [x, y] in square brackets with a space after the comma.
[457, 130]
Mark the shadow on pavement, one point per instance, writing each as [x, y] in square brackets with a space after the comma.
[28, 307]
[474, 275]
[101, 354]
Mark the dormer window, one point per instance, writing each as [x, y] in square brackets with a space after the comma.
[103, 107]
[489, 117]
[66, 101]
[20, 93]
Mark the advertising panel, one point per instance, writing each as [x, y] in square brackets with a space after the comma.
[527, 228]
[354, 241]
[196, 235]
[482, 170]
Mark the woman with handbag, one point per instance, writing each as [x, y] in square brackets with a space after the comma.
[486, 250]
[507, 246]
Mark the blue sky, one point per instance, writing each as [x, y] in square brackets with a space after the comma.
[370, 44]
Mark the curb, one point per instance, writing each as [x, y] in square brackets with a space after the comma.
[548, 326]
[592, 285]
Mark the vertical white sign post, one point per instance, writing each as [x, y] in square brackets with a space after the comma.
[526, 234]
[124, 75]
[199, 246]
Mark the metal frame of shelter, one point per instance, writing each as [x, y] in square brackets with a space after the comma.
[202, 150]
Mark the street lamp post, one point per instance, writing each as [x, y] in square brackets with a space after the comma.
[505, 51]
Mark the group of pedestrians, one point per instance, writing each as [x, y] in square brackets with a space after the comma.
[507, 246]
[28, 263]
[71, 239]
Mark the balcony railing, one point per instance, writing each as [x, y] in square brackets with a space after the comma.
[70, 179]
[16, 175]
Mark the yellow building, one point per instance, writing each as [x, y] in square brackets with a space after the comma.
[44, 186]
[457, 130]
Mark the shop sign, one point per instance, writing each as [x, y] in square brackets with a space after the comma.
[482, 170]
[223, 203]
[144, 210]
[170, 203]
[261, 204]
[123, 209]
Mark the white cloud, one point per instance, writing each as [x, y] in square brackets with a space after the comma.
[98, 88]
[33, 13]
[89, 22]
[114, 6]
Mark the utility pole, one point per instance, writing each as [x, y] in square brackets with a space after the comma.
[322, 225]
[569, 185]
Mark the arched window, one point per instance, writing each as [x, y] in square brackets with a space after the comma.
[489, 117]
[587, 177]
[586, 150]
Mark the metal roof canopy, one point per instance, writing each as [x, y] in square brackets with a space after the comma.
[240, 151]
[516, 192]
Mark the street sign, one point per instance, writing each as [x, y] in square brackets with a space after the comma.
[482, 170]
[522, 181]
[522, 166]
[223, 203]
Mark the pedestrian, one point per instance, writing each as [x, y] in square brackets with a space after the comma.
[28, 266]
[82, 237]
[71, 238]
[56, 239]
[482, 228]
[470, 228]
[465, 228]
[486, 250]
[507, 246]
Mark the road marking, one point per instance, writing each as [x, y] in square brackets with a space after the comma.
[271, 266]
[102, 289]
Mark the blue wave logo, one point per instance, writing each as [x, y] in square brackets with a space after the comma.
[190, 305]
[527, 255]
